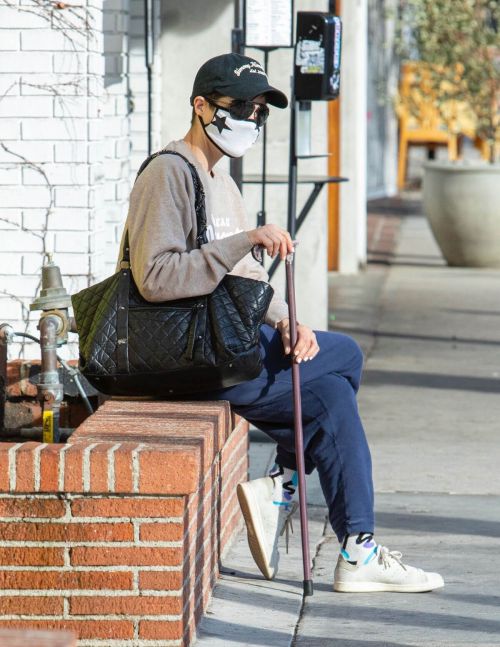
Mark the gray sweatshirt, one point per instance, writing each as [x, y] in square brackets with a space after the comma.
[164, 258]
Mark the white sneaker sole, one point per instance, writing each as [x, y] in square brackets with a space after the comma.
[255, 531]
[373, 587]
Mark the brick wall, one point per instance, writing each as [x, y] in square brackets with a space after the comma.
[73, 131]
[116, 165]
[34, 638]
[118, 535]
[49, 123]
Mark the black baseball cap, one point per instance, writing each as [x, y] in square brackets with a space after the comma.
[236, 76]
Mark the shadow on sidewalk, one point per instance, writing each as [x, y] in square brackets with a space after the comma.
[375, 377]
[238, 633]
[396, 206]
[438, 338]
[406, 617]
[435, 523]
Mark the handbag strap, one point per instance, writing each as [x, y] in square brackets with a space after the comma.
[199, 202]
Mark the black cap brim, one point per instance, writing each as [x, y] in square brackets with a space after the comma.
[275, 97]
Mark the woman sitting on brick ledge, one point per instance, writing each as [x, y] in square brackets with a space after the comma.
[230, 101]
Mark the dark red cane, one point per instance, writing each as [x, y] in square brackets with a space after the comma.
[299, 438]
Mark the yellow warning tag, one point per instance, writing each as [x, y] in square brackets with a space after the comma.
[48, 426]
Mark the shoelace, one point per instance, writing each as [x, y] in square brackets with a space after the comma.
[288, 525]
[385, 555]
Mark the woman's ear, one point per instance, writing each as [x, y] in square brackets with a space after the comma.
[201, 107]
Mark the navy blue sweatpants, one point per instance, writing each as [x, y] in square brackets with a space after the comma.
[334, 439]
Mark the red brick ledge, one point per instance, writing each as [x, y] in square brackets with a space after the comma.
[136, 447]
[118, 534]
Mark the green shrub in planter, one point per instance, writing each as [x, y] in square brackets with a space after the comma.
[458, 45]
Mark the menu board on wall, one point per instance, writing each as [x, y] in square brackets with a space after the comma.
[268, 23]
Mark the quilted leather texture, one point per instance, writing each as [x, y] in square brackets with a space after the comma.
[95, 314]
[157, 339]
[122, 335]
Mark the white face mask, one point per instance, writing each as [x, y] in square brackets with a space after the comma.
[232, 136]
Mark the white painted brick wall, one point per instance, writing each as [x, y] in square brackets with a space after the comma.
[45, 120]
[62, 173]
[73, 196]
[11, 218]
[50, 40]
[53, 129]
[8, 82]
[36, 107]
[36, 220]
[10, 129]
[71, 152]
[21, 241]
[25, 61]
[10, 40]
[16, 19]
[71, 242]
[65, 84]
[34, 197]
[11, 263]
[10, 310]
[72, 107]
[121, 125]
[42, 152]
[80, 114]
[10, 175]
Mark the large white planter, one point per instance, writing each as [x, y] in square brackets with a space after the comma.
[462, 203]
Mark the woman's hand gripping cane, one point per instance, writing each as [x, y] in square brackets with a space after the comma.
[306, 347]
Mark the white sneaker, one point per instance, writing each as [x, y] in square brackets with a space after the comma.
[265, 522]
[385, 572]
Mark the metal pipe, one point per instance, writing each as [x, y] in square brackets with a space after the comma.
[261, 215]
[27, 336]
[237, 47]
[6, 334]
[149, 53]
[72, 370]
[50, 390]
[49, 326]
[75, 374]
[292, 173]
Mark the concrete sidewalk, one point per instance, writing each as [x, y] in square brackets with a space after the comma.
[430, 402]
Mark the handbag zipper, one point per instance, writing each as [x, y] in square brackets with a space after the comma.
[148, 307]
[192, 332]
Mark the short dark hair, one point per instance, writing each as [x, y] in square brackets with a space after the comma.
[213, 96]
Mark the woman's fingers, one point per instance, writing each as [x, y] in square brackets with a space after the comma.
[276, 240]
[286, 344]
[313, 351]
[284, 248]
[306, 347]
[272, 244]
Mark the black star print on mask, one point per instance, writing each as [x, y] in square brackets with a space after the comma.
[220, 123]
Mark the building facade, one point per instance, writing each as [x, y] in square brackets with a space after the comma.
[84, 94]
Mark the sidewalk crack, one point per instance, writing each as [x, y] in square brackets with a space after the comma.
[317, 550]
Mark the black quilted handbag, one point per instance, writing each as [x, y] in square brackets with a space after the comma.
[130, 346]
